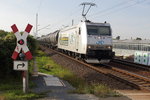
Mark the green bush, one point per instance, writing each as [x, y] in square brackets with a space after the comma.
[3, 33]
[7, 46]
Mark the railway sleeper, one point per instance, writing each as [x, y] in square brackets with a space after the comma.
[124, 76]
[131, 82]
[147, 85]
[125, 81]
[128, 77]
[137, 79]
[131, 79]
[142, 82]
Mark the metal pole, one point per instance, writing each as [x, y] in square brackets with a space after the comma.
[25, 81]
[72, 22]
[36, 33]
[24, 74]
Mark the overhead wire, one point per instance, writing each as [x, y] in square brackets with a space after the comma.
[44, 27]
[97, 13]
[69, 18]
[111, 8]
[66, 18]
[120, 9]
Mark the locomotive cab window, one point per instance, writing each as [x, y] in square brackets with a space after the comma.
[98, 30]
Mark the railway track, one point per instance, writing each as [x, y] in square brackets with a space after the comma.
[136, 65]
[131, 78]
[140, 70]
[137, 81]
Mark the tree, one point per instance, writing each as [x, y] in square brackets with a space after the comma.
[3, 33]
[7, 46]
[138, 38]
[118, 38]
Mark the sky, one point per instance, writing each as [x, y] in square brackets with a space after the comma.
[128, 18]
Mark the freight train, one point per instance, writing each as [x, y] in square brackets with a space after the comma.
[89, 41]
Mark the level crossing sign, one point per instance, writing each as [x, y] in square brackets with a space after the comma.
[21, 42]
[23, 51]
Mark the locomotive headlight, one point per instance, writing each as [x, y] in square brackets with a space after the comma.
[89, 47]
[109, 47]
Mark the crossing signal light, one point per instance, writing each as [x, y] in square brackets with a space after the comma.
[21, 42]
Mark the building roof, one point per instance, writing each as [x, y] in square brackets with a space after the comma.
[132, 41]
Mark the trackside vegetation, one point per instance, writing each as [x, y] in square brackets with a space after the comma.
[7, 46]
[48, 66]
[10, 80]
[11, 89]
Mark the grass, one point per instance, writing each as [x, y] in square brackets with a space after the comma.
[40, 53]
[19, 95]
[11, 89]
[48, 66]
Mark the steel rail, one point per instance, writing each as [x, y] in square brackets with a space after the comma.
[140, 66]
[138, 80]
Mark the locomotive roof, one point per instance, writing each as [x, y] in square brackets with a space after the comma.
[87, 23]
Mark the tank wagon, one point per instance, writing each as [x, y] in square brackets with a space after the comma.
[53, 39]
[87, 40]
[50, 40]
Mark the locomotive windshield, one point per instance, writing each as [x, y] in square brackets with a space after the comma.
[98, 30]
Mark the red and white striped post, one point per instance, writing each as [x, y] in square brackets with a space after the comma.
[22, 46]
